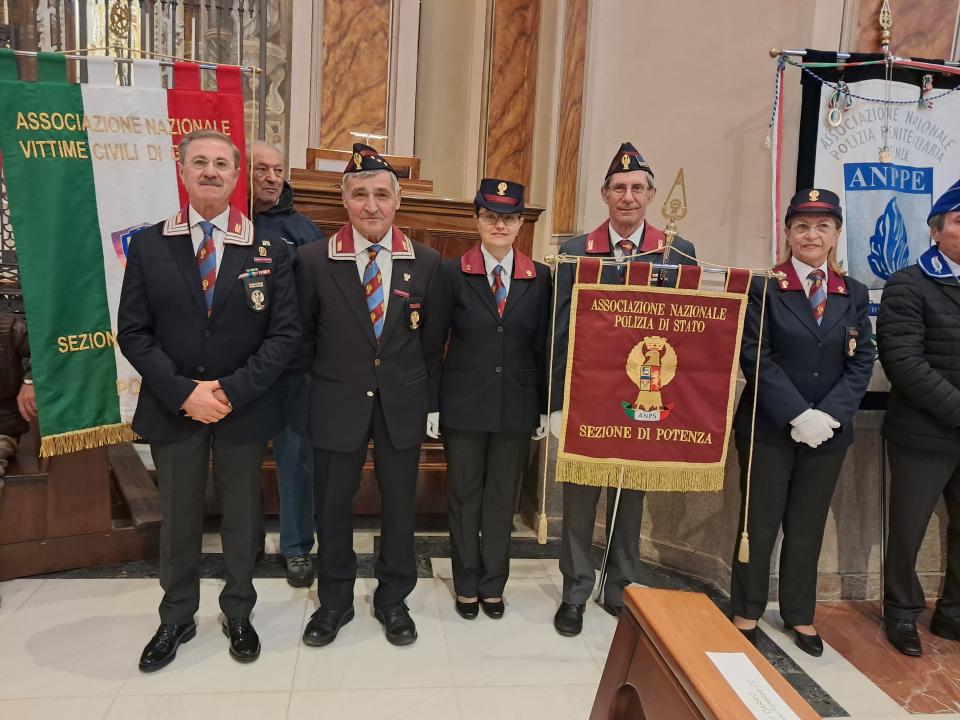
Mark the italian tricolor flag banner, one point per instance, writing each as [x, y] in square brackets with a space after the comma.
[86, 166]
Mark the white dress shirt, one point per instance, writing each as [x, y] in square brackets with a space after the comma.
[636, 237]
[384, 261]
[219, 231]
[803, 270]
[490, 262]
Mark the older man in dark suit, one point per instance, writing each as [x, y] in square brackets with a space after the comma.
[208, 317]
[627, 192]
[372, 341]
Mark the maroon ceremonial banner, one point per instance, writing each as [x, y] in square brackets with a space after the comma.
[650, 381]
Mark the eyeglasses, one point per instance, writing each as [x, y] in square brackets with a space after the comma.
[492, 218]
[200, 164]
[620, 189]
[821, 229]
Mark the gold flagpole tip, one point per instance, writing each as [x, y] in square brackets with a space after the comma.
[774, 52]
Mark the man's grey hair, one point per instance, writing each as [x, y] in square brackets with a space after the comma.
[207, 135]
[370, 173]
[936, 222]
[264, 145]
[650, 185]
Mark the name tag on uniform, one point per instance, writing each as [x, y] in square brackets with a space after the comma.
[853, 332]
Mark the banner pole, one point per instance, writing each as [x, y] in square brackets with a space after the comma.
[606, 552]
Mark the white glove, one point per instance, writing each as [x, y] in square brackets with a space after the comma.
[813, 427]
[556, 423]
[433, 425]
[541, 432]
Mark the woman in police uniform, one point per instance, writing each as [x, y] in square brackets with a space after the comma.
[816, 358]
[492, 393]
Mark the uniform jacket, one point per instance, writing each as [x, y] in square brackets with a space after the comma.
[918, 332]
[597, 244]
[349, 368]
[804, 365]
[164, 331]
[494, 372]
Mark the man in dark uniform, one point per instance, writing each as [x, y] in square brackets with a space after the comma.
[373, 345]
[918, 332]
[274, 216]
[208, 317]
[627, 191]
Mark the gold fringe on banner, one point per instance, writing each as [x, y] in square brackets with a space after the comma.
[95, 437]
[658, 479]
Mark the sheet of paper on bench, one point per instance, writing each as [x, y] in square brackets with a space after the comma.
[751, 687]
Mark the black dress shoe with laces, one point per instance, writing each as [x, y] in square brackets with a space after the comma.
[945, 627]
[902, 634]
[324, 625]
[810, 644]
[468, 610]
[493, 609]
[569, 619]
[397, 624]
[300, 571]
[244, 641]
[162, 648]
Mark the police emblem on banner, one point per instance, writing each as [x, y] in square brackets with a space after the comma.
[651, 365]
[121, 241]
[886, 210]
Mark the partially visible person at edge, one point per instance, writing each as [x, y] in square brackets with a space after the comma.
[209, 330]
[816, 358]
[274, 216]
[627, 191]
[493, 393]
[918, 330]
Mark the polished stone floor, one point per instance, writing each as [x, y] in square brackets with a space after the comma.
[69, 645]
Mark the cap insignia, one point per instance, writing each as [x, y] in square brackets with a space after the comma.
[358, 160]
[502, 189]
[625, 161]
[814, 195]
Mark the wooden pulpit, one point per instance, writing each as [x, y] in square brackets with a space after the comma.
[658, 667]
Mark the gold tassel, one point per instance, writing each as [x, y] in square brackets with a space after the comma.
[69, 442]
[743, 554]
[696, 478]
[542, 529]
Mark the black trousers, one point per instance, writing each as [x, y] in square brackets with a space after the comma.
[182, 471]
[917, 479]
[576, 539]
[483, 476]
[792, 487]
[336, 481]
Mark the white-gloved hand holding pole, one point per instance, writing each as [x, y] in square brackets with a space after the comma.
[541, 431]
[433, 425]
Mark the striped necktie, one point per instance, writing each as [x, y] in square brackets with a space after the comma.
[818, 294]
[499, 291]
[373, 288]
[207, 264]
[628, 249]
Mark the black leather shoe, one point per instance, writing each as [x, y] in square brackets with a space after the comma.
[493, 610]
[244, 641]
[611, 609]
[810, 644]
[300, 571]
[162, 648]
[902, 634]
[945, 627]
[569, 619]
[397, 623]
[324, 625]
[468, 610]
[750, 634]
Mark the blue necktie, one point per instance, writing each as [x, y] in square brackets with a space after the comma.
[207, 264]
[373, 289]
[818, 294]
[499, 291]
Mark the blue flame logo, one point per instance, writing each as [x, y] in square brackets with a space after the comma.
[889, 251]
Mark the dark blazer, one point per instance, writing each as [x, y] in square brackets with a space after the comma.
[164, 331]
[597, 244]
[918, 332]
[494, 373]
[804, 365]
[349, 367]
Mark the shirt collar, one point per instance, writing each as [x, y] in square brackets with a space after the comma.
[360, 243]
[636, 237]
[220, 222]
[490, 262]
[804, 270]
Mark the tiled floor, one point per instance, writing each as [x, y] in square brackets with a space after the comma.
[69, 648]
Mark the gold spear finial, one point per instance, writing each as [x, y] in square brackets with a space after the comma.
[886, 23]
[674, 207]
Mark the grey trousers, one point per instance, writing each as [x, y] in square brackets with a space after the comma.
[579, 512]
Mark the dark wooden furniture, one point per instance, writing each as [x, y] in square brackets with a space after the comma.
[657, 668]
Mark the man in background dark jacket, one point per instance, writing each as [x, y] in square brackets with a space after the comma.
[14, 415]
[274, 216]
[918, 332]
